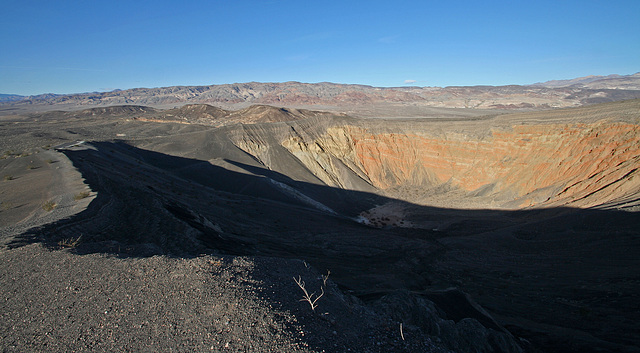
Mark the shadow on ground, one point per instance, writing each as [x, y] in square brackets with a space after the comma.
[565, 279]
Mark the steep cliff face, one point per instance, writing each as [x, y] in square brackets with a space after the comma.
[520, 162]
[579, 164]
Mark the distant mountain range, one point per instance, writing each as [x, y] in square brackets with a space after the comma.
[597, 82]
[10, 97]
[551, 94]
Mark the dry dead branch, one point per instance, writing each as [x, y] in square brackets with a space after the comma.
[325, 278]
[309, 298]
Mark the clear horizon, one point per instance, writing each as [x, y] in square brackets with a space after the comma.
[78, 47]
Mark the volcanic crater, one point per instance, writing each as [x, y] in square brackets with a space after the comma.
[531, 215]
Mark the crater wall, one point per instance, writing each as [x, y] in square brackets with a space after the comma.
[578, 158]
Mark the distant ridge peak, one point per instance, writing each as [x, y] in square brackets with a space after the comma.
[613, 81]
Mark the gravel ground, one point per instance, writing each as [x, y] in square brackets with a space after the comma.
[57, 301]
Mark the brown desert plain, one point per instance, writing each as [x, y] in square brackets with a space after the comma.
[381, 225]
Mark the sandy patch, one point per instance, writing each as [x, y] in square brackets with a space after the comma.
[391, 214]
[39, 189]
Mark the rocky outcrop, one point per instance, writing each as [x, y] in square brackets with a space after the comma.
[466, 327]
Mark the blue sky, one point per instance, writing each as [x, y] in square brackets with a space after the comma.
[83, 46]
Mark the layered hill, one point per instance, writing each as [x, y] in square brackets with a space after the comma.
[205, 114]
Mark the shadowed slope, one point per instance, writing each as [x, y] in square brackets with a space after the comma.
[150, 203]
